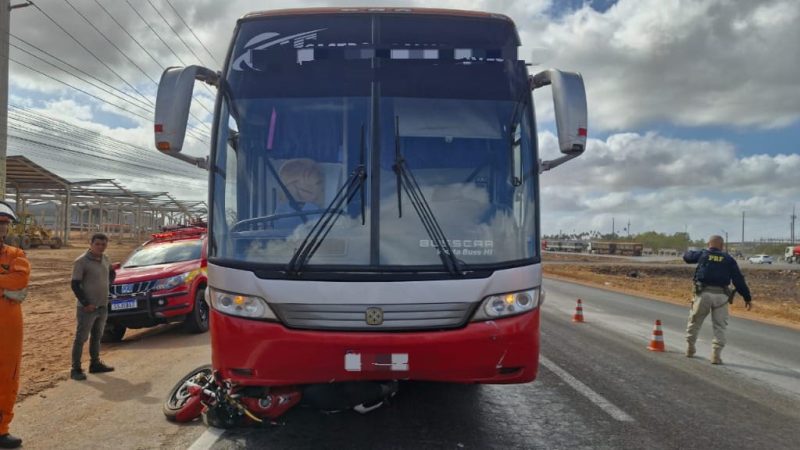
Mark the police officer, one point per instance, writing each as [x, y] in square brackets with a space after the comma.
[712, 277]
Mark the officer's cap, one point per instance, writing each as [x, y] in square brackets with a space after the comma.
[7, 213]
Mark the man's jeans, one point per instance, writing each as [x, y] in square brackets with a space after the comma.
[88, 323]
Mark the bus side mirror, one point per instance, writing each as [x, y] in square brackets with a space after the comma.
[173, 100]
[569, 101]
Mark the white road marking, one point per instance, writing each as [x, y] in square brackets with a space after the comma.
[586, 391]
[207, 439]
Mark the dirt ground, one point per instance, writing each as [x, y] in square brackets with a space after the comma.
[49, 315]
[49, 311]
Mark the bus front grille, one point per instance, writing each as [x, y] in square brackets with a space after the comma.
[379, 317]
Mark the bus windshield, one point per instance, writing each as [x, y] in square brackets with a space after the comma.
[295, 126]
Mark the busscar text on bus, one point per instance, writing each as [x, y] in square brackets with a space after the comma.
[374, 207]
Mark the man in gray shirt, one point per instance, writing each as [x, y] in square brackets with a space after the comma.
[92, 275]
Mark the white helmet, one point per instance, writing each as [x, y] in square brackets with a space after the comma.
[6, 211]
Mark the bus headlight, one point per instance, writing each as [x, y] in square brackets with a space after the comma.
[508, 304]
[240, 305]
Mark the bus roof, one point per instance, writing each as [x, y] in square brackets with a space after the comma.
[376, 10]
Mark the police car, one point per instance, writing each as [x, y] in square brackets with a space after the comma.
[162, 281]
[760, 259]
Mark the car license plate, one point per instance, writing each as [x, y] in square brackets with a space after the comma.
[118, 305]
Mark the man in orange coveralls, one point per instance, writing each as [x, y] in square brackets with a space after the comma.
[15, 270]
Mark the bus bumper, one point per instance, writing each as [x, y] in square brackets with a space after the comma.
[257, 353]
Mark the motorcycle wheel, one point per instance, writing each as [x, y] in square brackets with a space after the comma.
[178, 400]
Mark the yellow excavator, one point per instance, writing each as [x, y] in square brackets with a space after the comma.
[27, 233]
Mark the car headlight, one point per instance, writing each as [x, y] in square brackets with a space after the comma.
[171, 282]
[508, 304]
[240, 305]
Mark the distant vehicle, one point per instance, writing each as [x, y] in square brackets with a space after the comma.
[27, 233]
[792, 254]
[760, 259]
[564, 246]
[162, 281]
[616, 248]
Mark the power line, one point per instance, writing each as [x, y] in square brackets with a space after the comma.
[133, 158]
[154, 32]
[91, 53]
[110, 42]
[79, 89]
[93, 162]
[192, 31]
[139, 44]
[59, 130]
[70, 128]
[77, 69]
[166, 45]
[133, 38]
[123, 53]
[191, 130]
[173, 30]
[82, 79]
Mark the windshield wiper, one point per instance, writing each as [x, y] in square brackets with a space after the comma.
[406, 181]
[327, 219]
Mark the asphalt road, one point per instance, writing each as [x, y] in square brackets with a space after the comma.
[598, 387]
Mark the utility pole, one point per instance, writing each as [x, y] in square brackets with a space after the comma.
[613, 230]
[5, 25]
[629, 227]
[5, 20]
[793, 217]
[742, 227]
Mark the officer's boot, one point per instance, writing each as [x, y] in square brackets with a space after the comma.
[715, 355]
[690, 349]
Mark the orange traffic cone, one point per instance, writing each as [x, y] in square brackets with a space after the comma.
[657, 341]
[578, 316]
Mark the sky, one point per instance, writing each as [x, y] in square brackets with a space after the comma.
[694, 106]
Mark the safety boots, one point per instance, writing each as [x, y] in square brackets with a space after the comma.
[715, 355]
[9, 441]
[690, 350]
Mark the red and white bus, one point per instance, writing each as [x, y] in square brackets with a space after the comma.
[374, 195]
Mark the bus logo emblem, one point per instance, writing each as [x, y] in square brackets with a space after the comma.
[126, 288]
[374, 316]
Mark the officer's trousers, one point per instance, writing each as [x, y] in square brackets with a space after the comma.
[10, 359]
[708, 301]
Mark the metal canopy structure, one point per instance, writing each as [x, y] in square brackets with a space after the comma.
[97, 204]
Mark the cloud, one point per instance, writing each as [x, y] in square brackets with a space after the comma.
[666, 184]
[711, 62]
[645, 63]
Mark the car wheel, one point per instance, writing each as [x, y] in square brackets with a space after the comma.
[113, 332]
[56, 243]
[197, 320]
